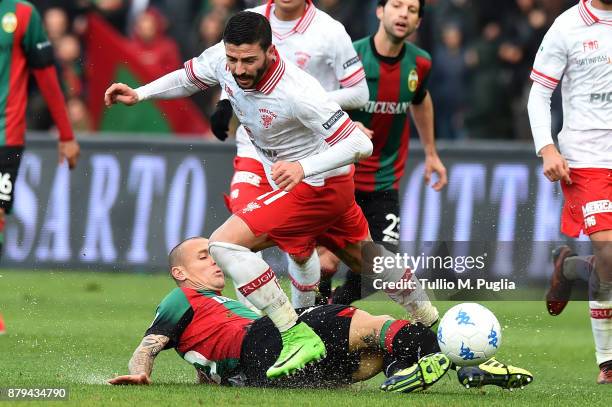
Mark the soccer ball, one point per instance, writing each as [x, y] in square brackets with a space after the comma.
[469, 334]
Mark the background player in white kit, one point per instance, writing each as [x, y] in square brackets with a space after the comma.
[306, 143]
[577, 50]
[319, 45]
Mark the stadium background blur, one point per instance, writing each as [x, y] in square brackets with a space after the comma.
[482, 53]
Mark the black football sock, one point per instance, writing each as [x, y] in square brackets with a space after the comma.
[404, 344]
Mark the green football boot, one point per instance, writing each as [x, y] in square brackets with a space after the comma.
[301, 346]
[494, 373]
[420, 376]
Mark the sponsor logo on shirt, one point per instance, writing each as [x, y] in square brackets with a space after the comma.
[267, 116]
[333, 120]
[601, 97]
[413, 80]
[599, 59]
[594, 207]
[302, 59]
[590, 45]
[351, 62]
[9, 22]
[386, 107]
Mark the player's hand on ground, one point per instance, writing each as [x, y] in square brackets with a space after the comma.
[555, 166]
[433, 164]
[368, 132]
[130, 379]
[69, 151]
[287, 174]
[120, 93]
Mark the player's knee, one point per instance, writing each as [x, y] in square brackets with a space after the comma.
[302, 258]
[329, 262]
[224, 252]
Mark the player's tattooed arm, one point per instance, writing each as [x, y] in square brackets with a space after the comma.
[370, 338]
[144, 355]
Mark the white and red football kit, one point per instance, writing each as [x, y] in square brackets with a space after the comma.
[319, 45]
[577, 51]
[289, 117]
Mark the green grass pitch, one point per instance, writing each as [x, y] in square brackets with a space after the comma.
[76, 330]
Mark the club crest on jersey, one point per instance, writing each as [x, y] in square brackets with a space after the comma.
[9, 22]
[302, 59]
[413, 80]
[267, 117]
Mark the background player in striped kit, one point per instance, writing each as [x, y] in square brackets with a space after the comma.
[577, 49]
[397, 73]
[25, 49]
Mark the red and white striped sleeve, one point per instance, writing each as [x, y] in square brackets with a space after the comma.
[201, 71]
[551, 59]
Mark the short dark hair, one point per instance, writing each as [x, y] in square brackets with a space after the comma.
[421, 6]
[247, 27]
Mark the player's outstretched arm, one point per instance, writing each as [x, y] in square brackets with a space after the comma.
[141, 363]
[423, 115]
[171, 86]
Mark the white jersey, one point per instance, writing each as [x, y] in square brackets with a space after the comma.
[288, 116]
[577, 50]
[315, 43]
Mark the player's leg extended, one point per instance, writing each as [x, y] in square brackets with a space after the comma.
[601, 304]
[408, 352]
[230, 246]
[381, 209]
[248, 182]
[305, 273]
[363, 255]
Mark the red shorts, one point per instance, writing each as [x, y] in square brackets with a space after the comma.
[588, 202]
[249, 182]
[306, 216]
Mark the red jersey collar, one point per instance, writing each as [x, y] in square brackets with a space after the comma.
[272, 76]
[303, 22]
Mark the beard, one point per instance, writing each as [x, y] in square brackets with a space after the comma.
[254, 78]
[607, 2]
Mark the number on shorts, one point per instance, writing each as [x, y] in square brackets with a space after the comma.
[390, 235]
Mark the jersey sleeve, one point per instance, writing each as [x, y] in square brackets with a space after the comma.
[173, 315]
[36, 45]
[347, 64]
[202, 70]
[551, 59]
[424, 72]
[323, 116]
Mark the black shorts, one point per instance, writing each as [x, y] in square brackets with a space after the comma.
[382, 210]
[262, 345]
[10, 157]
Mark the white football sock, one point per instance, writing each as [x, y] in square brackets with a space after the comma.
[243, 299]
[256, 281]
[601, 323]
[413, 298]
[304, 280]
